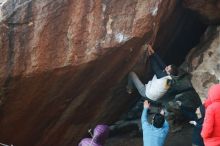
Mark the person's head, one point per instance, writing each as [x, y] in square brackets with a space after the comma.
[158, 120]
[171, 70]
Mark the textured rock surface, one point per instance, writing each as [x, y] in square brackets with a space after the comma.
[60, 61]
[208, 9]
[204, 61]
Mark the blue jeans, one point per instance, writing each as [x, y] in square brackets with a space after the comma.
[157, 66]
[134, 81]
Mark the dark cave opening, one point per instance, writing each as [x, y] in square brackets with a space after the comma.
[179, 35]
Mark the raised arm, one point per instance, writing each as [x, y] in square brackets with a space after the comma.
[157, 64]
[166, 126]
[157, 69]
[144, 113]
[159, 61]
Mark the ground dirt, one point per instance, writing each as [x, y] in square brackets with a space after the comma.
[181, 138]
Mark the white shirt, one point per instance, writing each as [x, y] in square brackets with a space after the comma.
[156, 88]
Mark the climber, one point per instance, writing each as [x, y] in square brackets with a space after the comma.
[160, 82]
[154, 133]
[99, 136]
[211, 126]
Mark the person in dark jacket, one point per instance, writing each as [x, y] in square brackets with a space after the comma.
[196, 118]
[99, 136]
[180, 107]
[181, 90]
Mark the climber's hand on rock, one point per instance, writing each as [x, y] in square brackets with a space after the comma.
[150, 50]
[146, 104]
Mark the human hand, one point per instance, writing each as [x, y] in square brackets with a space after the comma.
[150, 50]
[198, 113]
[149, 53]
[192, 122]
[146, 104]
[162, 112]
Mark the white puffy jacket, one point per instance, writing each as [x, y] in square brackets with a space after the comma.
[156, 88]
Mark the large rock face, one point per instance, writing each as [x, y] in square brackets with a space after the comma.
[61, 59]
[204, 61]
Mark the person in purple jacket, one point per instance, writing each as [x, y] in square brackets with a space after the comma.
[99, 136]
